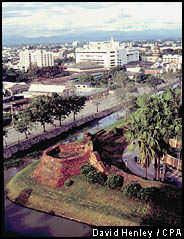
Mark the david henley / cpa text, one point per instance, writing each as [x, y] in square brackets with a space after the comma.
[124, 232]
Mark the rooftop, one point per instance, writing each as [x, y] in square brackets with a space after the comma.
[86, 65]
[46, 88]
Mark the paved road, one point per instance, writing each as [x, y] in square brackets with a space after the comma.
[171, 173]
[89, 109]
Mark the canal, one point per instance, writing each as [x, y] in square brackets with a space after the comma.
[24, 222]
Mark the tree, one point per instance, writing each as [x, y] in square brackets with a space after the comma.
[76, 104]
[106, 79]
[141, 77]
[152, 125]
[124, 91]
[86, 78]
[172, 102]
[121, 80]
[51, 72]
[60, 107]
[41, 110]
[153, 81]
[137, 132]
[23, 122]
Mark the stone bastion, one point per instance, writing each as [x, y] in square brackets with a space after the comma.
[61, 161]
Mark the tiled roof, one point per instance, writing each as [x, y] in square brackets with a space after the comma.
[86, 65]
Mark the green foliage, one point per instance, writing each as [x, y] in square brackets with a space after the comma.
[132, 189]
[76, 104]
[114, 181]
[142, 100]
[150, 194]
[7, 118]
[86, 78]
[68, 182]
[96, 177]
[140, 77]
[60, 107]
[156, 120]
[45, 109]
[41, 110]
[13, 163]
[86, 168]
[51, 72]
[23, 121]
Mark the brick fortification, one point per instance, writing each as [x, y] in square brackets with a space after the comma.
[62, 161]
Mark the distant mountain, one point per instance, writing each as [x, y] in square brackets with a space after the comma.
[96, 36]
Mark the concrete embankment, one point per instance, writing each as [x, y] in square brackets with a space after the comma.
[28, 143]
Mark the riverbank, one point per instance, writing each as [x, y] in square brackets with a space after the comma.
[57, 132]
[92, 204]
[21, 145]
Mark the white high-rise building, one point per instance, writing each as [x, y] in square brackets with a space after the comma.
[107, 53]
[38, 58]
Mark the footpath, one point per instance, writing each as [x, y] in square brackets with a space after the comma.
[129, 160]
[16, 142]
[52, 133]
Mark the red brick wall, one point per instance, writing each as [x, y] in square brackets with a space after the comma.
[53, 171]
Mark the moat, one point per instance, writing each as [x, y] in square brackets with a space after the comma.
[21, 221]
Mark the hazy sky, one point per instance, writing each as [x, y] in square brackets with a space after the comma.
[34, 19]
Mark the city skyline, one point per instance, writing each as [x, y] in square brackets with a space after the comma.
[47, 19]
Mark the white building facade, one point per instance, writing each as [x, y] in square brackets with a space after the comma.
[172, 58]
[38, 58]
[107, 53]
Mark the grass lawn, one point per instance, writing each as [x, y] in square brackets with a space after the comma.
[89, 203]
[116, 124]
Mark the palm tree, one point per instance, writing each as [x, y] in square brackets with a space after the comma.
[135, 131]
[156, 120]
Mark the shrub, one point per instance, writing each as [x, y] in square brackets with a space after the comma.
[68, 182]
[132, 189]
[150, 194]
[13, 163]
[114, 181]
[86, 168]
[96, 177]
[23, 196]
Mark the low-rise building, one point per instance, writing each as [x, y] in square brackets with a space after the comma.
[154, 71]
[173, 66]
[151, 58]
[172, 58]
[85, 67]
[12, 88]
[66, 89]
[137, 66]
[133, 68]
[42, 89]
